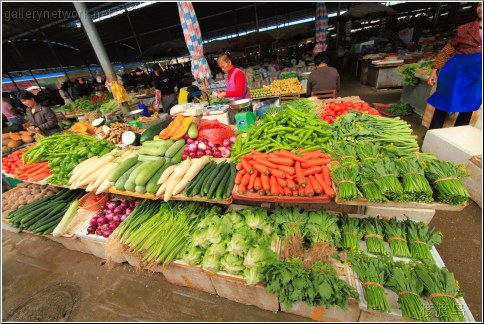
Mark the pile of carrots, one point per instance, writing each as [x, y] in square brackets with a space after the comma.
[283, 173]
[33, 172]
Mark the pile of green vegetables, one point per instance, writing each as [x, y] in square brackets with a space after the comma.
[409, 71]
[109, 106]
[238, 243]
[320, 286]
[85, 104]
[44, 215]
[400, 109]
[158, 231]
[294, 125]
[64, 152]
[215, 180]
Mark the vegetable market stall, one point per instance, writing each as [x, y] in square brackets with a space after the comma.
[242, 254]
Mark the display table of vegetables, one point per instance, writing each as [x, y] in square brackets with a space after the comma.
[64, 152]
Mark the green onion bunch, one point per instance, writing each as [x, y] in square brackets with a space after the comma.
[445, 178]
[403, 280]
[367, 182]
[351, 232]
[385, 174]
[346, 178]
[421, 238]
[373, 230]
[396, 236]
[415, 186]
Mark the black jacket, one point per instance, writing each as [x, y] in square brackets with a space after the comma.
[45, 119]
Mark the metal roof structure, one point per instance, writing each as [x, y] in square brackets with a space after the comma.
[31, 28]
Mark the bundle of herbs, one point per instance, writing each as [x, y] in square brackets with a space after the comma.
[400, 109]
[415, 186]
[385, 174]
[367, 151]
[403, 280]
[445, 178]
[345, 153]
[421, 239]
[396, 236]
[443, 290]
[367, 182]
[290, 223]
[321, 235]
[373, 229]
[371, 273]
[351, 232]
[346, 178]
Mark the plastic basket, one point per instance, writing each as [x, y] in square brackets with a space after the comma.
[86, 201]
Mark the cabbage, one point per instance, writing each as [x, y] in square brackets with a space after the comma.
[201, 239]
[211, 263]
[252, 275]
[237, 246]
[213, 234]
[257, 257]
[267, 229]
[218, 249]
[232, 264]
[192, 255]
[255, 220]
[208, 221]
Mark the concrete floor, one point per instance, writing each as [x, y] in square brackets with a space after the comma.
[93, 291]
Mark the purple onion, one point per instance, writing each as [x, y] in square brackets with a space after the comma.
[105, 227]
[99, 232]
[200, 154]
[112, 226]
[185, 156]
[91, 230]
[186, 137]
[124, 204]
[226, 143]
[133, 204]
[192, 155]
[118, 210]
[211, 145]
[116, 218]
[208, 152]
[109, 217]
[102, 220]
[107, 233]
[232, 139]
[123, 218]
[217, 154]
[128, 211]
[111, 205]
[186, 149]
[93, 221]
[190, 141]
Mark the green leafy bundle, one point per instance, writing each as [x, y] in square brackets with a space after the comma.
[403, 280]
[371, 189]
[346, 154]
[415, 186]
[322, 227]
[328, 289]
[396, 236]
[346, 178]
[421, 238]
[373, 230]
[445, 178]
[371, 273]
[351, 232]
[367, 151]
[400, 109]
[385, 174]
[443, 289]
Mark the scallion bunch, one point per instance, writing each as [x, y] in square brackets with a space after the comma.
[403, 280]
[367, 151]
[396, 236]
[421, 238]
[350, 233]
[346, 178]
[371, 273]
[445, 178]
[367, 182]
[415, 186]
[373, 230]
[386, 176]
[443, 289]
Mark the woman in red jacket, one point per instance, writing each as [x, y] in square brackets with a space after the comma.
[459, 86]
[236, 83]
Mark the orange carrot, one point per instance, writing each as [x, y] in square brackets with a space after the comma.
[265, 163]
[291, 184]
[295, 157]
[262, 193]
[287, 169]
[316, 186]
[289, 176]
[247, 166]
[287, 192]
[247, 157]
[327, 175]
[255, 153]
[239, 176]
[261, 168]
[242, 189]
[308, 190]
[300, 175]
[282, 182]
[328, 189]
[253, 176]
[314, 162]
[295, 193]
[264, 179]
[274, 188]
[277, 173]
[319, 179]
[258, 184]
[301, 191]
[314, 155]
[239, 166]
[282, 161]
[245, 179]
[280, 189]
[312, 170]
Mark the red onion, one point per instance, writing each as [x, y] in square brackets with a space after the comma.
[112, 226]
[99, 232]
[211, 145]
[133, 204]
[202, 146]
[200, 154]
[91, 230]
[111, 205]
[217, 154]
[116, 218]
[105, 227]
[128, 211]
[192, 148]
[225, 152]
[192, 155]
[186, 149]
[208, 152]
[226, 143]
[185, 137]
[93, 221]
[190, 141]
[106, 234]
[124, 204]
[232, 139]
[118, 210]
[109, 217]
[102, 220]
[123, 218]
[185, 156]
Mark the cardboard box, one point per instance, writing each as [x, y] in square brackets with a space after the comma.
[473, 183]
[182, 274]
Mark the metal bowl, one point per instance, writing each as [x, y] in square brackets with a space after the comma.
[240, 104]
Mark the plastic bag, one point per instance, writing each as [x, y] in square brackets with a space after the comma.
[214, 131]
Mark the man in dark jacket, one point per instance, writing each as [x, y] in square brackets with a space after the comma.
[41, 118]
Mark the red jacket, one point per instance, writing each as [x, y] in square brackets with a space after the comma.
[239, 84]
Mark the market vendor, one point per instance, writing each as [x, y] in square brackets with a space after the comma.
[323, 77]
[41, 119]
[459, 86]
[165, 89]
[237, 87]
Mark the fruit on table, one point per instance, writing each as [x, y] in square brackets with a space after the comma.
[265, 91]
[286, 86]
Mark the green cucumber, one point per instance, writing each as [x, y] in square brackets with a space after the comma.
[197, 189]
[152, 186]
[145, 175]
[216, 182]
[122, 168]
[138, 170]
[194, 182]
[177, 158]
[140, 189]
[230, 184]
[119, 185]
[129, 185]
[193, 131]
[175, 148]
[210, 179]
[220, 192]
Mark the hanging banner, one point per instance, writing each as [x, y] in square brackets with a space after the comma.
[321, 28]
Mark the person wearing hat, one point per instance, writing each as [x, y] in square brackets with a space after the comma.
[41, 118]
[324, 77]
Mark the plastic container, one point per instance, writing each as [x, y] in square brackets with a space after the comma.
[86, 201]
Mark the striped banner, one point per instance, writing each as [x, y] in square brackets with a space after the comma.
[193, 39]
[321, 28]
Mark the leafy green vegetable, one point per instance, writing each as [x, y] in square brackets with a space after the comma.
[396, 235]
[400, 109]
[351, 232]
[373, 229]
[322, 227]
[232, 264]
[421, 238]
[415, 186]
